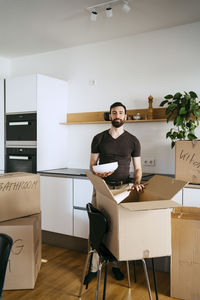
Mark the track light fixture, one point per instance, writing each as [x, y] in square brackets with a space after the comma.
[93, 15]
[107, 8]
[109, 12]
[126, 7]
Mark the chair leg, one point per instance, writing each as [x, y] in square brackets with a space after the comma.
[134, 270]
[105, 280]
[128, 274]
[84, 273]
[154, 278]
[147, 278]
[90, 264]
[98, 280]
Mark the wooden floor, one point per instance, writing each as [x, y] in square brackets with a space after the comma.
[59, 278]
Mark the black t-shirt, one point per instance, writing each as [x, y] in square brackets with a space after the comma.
[120, 150]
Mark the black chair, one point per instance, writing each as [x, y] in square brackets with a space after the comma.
[6, 243]
[98, 227]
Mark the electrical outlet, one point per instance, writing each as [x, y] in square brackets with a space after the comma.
[149, 162]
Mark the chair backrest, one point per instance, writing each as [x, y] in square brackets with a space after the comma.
[98, 226]
[6, 243]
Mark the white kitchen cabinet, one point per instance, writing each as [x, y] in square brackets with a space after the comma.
[57, 204]
[83, 190]
[2, 125]
[21, 94]
[81, 223]
[191, 197]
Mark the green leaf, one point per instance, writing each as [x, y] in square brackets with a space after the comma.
[182, 111]
[177, 96]
[169, 97]
[193, 94]
[172, 144]
[171, 107]
[170, 116]
[179, 121]
[163, 102]
[180, 135]
[191, 137]
[196, 113]
[168, 134]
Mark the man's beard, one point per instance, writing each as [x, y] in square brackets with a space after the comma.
[117, 124]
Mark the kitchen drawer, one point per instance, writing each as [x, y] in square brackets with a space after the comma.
[191, 197]
[81, 223]
[83, 190]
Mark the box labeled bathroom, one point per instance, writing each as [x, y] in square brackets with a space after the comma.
[19, 195]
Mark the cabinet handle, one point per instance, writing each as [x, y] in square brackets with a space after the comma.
[17, 123]
[18, 157]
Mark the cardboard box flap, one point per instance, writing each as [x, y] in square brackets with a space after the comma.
[165, 187]
[149, 205]
[100, 185]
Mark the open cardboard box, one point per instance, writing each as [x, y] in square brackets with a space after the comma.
[139, 225]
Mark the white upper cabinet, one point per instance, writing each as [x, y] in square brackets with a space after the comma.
[1, 125]
[21, 94]
[48, 97]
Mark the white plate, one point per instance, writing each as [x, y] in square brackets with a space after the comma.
[106, 167]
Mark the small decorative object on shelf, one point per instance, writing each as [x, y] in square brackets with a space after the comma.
[150, 109]
[137, 117]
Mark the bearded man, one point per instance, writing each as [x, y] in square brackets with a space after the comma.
[115, 144]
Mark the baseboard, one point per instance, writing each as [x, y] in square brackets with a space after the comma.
[65, 241]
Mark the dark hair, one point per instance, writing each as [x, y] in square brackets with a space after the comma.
[117, 104]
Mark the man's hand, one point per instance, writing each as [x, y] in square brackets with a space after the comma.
[102, 175]
[138, 187]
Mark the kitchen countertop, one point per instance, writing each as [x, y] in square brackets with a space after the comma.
[81, 173]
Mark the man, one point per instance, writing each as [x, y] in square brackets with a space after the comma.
[112, 145]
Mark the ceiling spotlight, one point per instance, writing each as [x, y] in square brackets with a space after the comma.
[126, 7]
[93, 15]
[109, 12]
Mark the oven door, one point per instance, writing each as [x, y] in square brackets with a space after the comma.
[21, 160]
[21, 127]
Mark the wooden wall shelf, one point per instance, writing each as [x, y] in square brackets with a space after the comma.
[98, 117]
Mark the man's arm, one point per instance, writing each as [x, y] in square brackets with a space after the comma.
[137, 165]
[93, 161]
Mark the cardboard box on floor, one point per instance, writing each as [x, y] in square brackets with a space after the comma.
[19, 195]
[185, 259]
[140, 224]
[187, 161]
[25, 258]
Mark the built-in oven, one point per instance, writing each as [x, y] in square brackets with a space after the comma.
[21, 127]
[21, 159]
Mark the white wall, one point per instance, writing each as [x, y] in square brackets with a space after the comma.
[4, 67]
[127, 69]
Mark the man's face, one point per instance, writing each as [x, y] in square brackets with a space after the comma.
[117, 116]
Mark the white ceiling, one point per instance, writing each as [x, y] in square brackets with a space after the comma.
[34, 26]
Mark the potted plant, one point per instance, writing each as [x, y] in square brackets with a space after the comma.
[184, 110]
